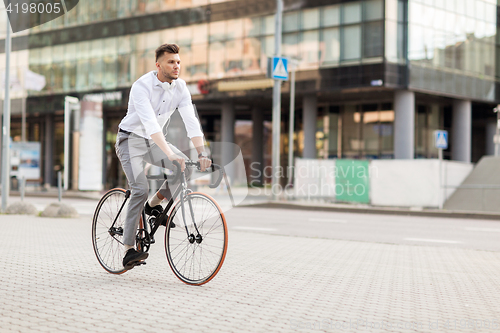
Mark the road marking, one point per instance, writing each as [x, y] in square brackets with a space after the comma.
[432, 240]
[483, 229]
[254, 229]
[327, 220]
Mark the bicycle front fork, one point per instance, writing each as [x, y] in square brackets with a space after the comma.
[185, 195]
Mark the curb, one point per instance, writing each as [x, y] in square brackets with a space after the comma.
[381, 211]
[65, 195]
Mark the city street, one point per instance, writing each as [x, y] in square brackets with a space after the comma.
[285, 271]
[359, 143]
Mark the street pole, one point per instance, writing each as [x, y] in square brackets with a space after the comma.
[23, 118]
[6, 123]
[441, 195]
[276, 102]
[292, 124]
[496, 139]
[68, 107]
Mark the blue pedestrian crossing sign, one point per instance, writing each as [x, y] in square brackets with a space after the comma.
[279, 68]
[441, 139]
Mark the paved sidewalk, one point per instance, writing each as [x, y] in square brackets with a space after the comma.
[51, 281]
[85, 201]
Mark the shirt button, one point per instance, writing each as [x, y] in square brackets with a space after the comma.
[163, 101]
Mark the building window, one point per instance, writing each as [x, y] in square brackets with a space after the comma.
[374, 10]
[310, 19]
[217, 31]
[199, 60]
[291, 22]
[367, 131]
[252, 26]
[233, 60]
[216, 60]
[331, 40]
[351, 42]
[290, 47]
[251, 55]
[331, 15]
[268, 25]
[309, 47]
[351, 13]
[373, 39]
[427, 120]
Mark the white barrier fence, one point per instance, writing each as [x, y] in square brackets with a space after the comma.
[403, 183]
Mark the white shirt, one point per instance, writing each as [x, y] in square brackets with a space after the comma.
[150, 107]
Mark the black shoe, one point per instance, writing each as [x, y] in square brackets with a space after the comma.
[133, 258]
[155, 211]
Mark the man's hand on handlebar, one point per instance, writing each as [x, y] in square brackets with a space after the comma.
[205, 163]
[179, 160]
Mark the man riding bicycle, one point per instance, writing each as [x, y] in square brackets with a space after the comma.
[153, 99]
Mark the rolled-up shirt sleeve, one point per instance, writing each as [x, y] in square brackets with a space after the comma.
[141, 99]
[186, 109]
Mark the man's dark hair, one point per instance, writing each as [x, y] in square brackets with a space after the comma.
[169, 48]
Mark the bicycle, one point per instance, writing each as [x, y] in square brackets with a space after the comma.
[195, 236]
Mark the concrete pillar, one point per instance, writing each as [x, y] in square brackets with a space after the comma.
[491, 129]
[309, 115]
[1, 138]
[48, 149]
[227, 135]
[404, 124]
[227, 122]
[257, 166]
[461, 128]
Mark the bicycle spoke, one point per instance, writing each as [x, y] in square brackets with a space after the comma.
[108, 247]
[197, 263]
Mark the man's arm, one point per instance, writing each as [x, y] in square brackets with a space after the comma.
[199, 144]
[160, 141]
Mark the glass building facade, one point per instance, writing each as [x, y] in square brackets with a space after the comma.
[353, 56]
[452, 47]
[322, 37]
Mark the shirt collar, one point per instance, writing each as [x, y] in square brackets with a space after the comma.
[156, 80]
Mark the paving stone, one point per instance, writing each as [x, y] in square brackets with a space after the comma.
[51, 281]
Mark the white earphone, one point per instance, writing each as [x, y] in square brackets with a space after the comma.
[167, 86]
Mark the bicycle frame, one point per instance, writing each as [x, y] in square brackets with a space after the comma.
[182, 191]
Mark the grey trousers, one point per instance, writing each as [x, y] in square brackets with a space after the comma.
[133, 151]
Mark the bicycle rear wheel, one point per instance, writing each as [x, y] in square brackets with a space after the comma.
[108, 243]
[194, 261]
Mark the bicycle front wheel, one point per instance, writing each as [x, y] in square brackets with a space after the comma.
[106, 237]
[196, 259]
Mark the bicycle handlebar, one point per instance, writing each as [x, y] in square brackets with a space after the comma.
[214, 167]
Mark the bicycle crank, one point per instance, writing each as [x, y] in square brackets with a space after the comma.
[143, 240]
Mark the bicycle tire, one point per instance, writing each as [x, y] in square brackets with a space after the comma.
[109, 248]
[197, 263]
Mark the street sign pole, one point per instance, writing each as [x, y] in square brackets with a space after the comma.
[441, 194]
[292, 125]
[6, 124]
[441, 142]
[276, 104]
